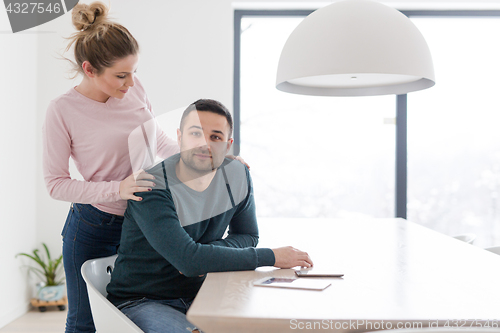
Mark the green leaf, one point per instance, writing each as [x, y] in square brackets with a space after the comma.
[48, 269]
[46, 250]
[39, 260]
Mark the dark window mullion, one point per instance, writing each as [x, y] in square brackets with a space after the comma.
[401, 155]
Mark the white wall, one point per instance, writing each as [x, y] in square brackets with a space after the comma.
[17, 165]
[186, 54]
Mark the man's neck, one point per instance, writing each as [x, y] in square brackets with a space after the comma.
[193, 179]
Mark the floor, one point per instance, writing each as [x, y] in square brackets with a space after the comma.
[51, 321]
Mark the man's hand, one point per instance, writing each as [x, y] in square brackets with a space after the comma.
[288, 257]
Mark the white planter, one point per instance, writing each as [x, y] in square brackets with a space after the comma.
[51, 293]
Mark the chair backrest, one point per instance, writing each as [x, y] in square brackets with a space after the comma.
[467, 238]
[107, 318]
[494, 249]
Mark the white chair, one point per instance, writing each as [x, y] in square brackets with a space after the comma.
[467, 238]
[494, 249]
[107, 318]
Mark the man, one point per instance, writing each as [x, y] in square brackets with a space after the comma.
[174, 235]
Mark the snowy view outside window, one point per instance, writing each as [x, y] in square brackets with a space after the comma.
[454, 131]
[311, 156]
[334, 156]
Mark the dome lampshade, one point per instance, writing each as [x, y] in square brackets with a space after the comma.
[355, 48]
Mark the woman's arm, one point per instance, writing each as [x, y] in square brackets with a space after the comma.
[56, 154]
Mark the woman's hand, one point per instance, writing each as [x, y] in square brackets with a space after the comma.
[136, 182]
[288, 257]
[238, 158]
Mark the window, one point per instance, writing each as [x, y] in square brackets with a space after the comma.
[334, 156]
[311, 156]
[453, 131]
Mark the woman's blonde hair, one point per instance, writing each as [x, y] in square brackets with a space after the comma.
[98, 40]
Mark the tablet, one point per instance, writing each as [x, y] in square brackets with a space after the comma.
[292, 283]
[319, 273]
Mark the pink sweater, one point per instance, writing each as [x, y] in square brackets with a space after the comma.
[96, 136]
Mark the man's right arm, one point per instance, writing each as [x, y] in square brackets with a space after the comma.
[164, 233]
[244, 232]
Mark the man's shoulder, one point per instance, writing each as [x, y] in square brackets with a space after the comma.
[163, 171]
[237, 176]
[235, 168]
[159, 191]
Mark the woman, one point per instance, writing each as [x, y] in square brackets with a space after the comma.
[91, 123]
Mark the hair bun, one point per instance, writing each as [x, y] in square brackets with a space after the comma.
[84, 16]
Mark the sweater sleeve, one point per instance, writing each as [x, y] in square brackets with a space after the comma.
[243, 228]
[243, 232]
[163, 231]
[56, 154]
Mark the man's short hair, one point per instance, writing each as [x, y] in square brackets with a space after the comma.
[209, 105]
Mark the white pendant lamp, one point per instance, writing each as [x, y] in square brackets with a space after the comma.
[355, 48]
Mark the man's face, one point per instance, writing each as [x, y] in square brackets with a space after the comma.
[204, 141]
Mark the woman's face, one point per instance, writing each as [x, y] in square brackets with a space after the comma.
[116, 80]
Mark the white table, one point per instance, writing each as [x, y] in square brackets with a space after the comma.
[397, 275]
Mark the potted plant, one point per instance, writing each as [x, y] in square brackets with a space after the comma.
[51, 288]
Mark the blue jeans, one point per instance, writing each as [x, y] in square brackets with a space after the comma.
[87, 234]
[159, 316]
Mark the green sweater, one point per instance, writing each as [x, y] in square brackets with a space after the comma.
[176, 229]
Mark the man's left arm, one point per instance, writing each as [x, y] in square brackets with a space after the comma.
[243, 229]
